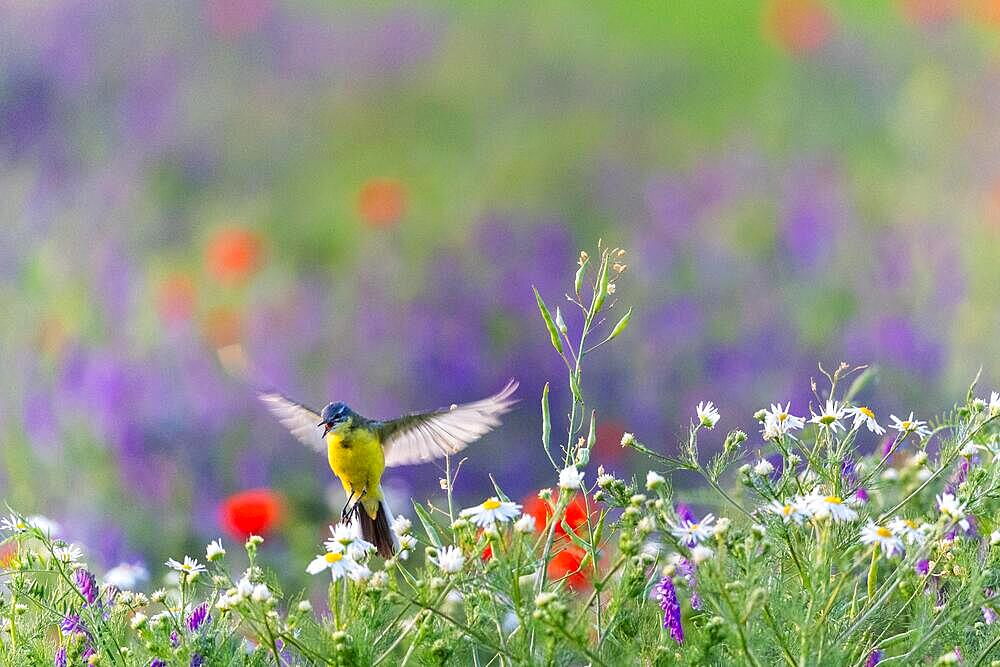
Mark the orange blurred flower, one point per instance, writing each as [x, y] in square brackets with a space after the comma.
[567, 565]
[986, 11]
[253, 512]
[928, 12]
[382, 202]
[234, 254]
[575, 516]
[8, 554]
[222, 327]
[800, 27]
[175, 298]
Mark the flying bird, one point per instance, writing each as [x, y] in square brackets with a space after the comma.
[359, 449]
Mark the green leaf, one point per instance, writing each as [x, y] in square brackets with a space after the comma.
[549, 324]
[861, 382]
[429, 526]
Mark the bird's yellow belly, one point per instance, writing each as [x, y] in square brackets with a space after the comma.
[357, 459]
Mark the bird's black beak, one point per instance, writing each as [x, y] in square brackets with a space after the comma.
[326, 427]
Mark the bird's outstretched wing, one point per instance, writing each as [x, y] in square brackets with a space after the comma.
[297, 418]
[425, 436]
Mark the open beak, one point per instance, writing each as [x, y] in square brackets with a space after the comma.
[326, 427]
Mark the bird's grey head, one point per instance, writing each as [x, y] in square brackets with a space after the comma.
[334, 414]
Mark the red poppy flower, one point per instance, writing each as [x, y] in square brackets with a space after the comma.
[382, 202]
[8, 553]
[253, 512]
[576, 513]
[567, 565]
[233, 254]
[800, 27]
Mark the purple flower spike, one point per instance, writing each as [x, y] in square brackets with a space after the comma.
[667, 596]
[87, 585]
[198, 617]
[861, 495]
[71, 625]
[197, 660]
[60, 660]
[874, 658]
[158, 663]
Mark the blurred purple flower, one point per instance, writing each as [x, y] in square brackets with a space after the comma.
[874, 658]
[198, 617]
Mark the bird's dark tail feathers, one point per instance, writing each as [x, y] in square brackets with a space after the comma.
[377, 530]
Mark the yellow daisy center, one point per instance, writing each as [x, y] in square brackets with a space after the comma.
[906, 425]
[695, 526]
[834, 500]
[867, 412]
[782, 416]
[787, 509]
[883, 532]
[333, 558]
[491, 504]
[911, 523]
[827, 419]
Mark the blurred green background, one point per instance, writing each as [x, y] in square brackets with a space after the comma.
[361, 196]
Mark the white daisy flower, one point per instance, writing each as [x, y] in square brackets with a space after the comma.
[449, 560]
[654, 480]
[763, 468]
[526, 524]
[189, 567]
[789, 511]
[708, 414]
[70, 553]
[994, 404]
[214, 550]
[570, 478]
[829, 416]
[864, 415]
[700, 554]
[12, 524]
[491, 511]
[909, 530]
[950, 507]
[126, 576]
[778, 421]
[401, 525]
[604, 480]
[830, 506]
[995, 538]
[338, 563]
[909, 425]
[261, 593]
[689, 533]
[347, 539]
[884, 537]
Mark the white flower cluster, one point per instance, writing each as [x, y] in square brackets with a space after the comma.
[345, 554]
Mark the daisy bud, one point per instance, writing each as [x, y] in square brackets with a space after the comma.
[139, 621]
[794, 459]
[526, 524]
[254, 541]
[654, 481]
[995, 538]
[758, 530]
[700, 554]
[261, 593]
[734, 440]
[744, 469]
[605, 480]
[545, 494]
[158, 596]
[628, 440]
[637, 499]
[722, 526]
[919, 459]
[763, 468]
[305, 606]
[760, 415]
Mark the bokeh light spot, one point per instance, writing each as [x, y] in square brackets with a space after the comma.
[382, 202]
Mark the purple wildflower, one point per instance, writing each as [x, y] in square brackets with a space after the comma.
[157, 662]
[684, 513]
[848, 470]
[923, 567]
[667, 596]
[989, 615]
[175, 641]
[87, 585]
[198, 617]
[60, 660]
[695, 601]
[874, 658]
[861, 495]
[71, 624]
[197, 660]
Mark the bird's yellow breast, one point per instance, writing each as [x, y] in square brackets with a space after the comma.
[356, 457]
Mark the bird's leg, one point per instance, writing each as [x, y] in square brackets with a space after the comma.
[346, 512]
[353, 507]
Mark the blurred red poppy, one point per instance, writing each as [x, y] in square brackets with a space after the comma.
[608, 448]
[8, 552]
[800, 27]
[567, 565]
[233, 254]
[576, 513]
[175, 298]
[253, 512]
[382, 202]
[928, 12]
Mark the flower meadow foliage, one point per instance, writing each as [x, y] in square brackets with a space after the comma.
[816, 553]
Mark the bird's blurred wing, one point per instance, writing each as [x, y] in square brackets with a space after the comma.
[430, 435]
[300, 420]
